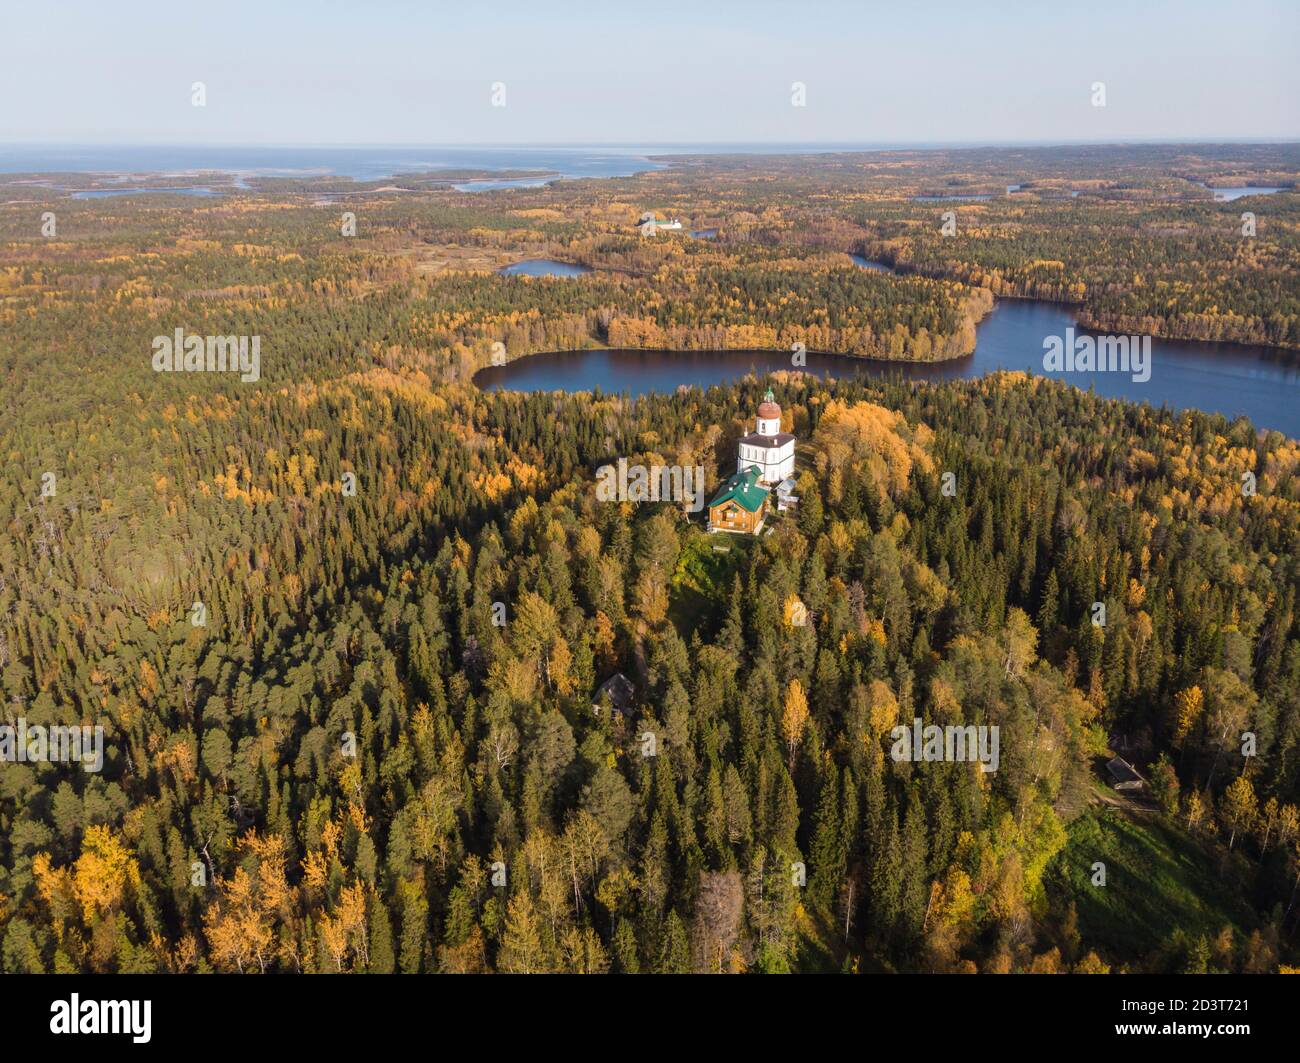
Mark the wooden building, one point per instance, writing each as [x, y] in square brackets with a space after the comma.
[1124, 776]
[616, 693]
[741, 504]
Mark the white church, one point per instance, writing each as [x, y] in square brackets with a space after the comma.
[764, 464]
[767, 446]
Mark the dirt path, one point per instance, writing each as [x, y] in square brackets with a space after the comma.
[1125, 804]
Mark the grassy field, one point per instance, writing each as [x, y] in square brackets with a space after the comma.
[1159, 881]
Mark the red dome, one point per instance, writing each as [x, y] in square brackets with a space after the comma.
[769, 411]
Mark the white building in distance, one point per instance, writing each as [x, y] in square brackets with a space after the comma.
[649, 224]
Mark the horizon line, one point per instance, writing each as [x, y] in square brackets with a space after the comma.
[636, 144]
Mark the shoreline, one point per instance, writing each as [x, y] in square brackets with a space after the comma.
[1077, 308]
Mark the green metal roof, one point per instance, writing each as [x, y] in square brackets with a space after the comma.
[742, 489]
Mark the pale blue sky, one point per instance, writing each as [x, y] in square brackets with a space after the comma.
[392, 72]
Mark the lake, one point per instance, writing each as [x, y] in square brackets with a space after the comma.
[1227, 195]
[543, 267]
[955, 197]
[504, 183]
[869, 265]
[1260, 382]
[108, 193]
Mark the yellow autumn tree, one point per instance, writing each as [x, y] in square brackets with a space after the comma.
[650, 597]
[795, 717]
[1019, 641]
[344, 931]
[240, 926]
[1188, 706]
[794, 613]
[57, 890]
[102, 872]
[882, 707]
[875, 440]
[148, 687]
[1239, 808]
[560, 667]
[237, 931]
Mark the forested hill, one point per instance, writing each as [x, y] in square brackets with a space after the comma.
[490, 820]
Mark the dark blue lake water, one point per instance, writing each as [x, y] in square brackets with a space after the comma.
[870, 266]
[1232, 379]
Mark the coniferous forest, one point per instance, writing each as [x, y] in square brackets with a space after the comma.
[344, 625]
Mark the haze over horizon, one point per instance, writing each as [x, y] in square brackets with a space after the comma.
[580, 74]
[635, 147]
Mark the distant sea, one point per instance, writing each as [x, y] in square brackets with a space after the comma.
[361, 164]
[377, 162]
